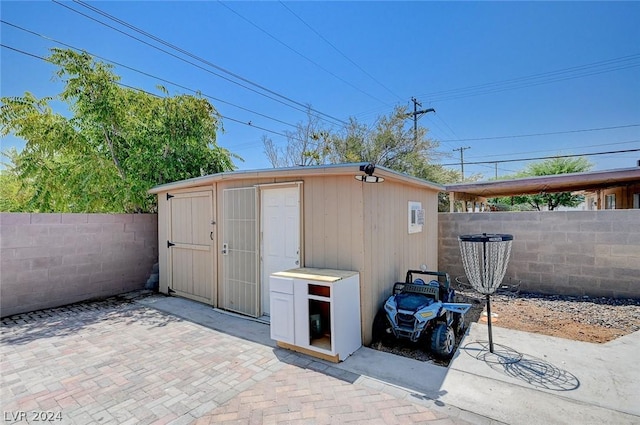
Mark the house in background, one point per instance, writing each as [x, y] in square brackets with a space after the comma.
[221, 236]
[609, 189]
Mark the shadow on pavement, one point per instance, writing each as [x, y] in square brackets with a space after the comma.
[68, 320]
[532, 370]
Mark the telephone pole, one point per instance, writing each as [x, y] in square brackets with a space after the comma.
[415, 114]
[462, 149]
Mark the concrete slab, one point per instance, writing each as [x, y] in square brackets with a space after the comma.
[557, 381]
[232, 324]
[423, 377]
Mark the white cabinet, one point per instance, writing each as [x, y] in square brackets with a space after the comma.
[316, 311]
[281, 300]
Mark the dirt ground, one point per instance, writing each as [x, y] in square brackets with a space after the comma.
[588, 320]
[595, 320]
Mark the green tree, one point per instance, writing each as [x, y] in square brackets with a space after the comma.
[307, 145]
[552, 201]
[14, 193]
[390, 143]
[117, 144]
[438, 174]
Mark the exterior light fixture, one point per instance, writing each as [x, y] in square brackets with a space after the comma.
[368, 176]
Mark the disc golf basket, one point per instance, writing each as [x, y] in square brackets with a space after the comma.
[485, 258]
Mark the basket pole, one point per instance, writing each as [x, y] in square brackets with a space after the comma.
[489, 323]
[484, 262]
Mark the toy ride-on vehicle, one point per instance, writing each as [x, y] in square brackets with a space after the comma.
[418, 310]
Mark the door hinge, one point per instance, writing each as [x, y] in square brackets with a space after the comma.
[170, 244]
[169, 196]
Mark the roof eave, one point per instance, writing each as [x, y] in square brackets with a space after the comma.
[295, 172]
[550, 184]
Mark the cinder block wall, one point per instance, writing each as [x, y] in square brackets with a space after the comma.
[48, 260]
[595, 253]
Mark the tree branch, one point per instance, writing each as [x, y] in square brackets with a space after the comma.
[113, 154]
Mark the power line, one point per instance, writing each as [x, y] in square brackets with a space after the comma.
[339, 51]
[148, 74]
[549, 150]
[415, 114]
[541, 74]
[249, 124]
[547, 157]
[462, 149]
[200, 59]
[543, 134]
[439, 116]
[540, 151]
[301, 54]
[615, 64]
[302, 108]
[450, 129]
[580, 71]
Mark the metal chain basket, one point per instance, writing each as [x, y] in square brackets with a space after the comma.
[485, 258]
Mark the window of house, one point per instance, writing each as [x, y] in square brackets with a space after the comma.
[610, 202]
[416, 217]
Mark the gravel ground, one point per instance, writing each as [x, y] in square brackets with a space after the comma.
[596, 320]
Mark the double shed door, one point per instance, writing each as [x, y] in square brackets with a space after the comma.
[192, 257]
[261, 235]
[191, 245]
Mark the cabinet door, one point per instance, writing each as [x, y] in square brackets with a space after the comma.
[282, 317]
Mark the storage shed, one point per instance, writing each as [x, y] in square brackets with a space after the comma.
[221, 236]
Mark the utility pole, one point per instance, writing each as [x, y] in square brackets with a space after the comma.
[462, 149]
[415, 114]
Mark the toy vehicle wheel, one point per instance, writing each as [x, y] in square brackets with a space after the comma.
[459, 325]
[443, 341]
[381, 331]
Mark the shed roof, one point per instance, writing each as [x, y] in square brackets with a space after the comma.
[548, 184]
[297, 172]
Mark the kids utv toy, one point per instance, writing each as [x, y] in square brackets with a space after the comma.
[419, 310]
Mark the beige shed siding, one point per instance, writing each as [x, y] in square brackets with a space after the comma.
[333, 223]
[346, 225]
[390, 249]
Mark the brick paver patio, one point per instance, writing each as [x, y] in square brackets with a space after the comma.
[119, 362]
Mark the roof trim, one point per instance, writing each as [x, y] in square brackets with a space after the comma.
[296, 173]
[548, 184]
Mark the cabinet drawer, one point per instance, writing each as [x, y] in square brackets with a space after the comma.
[319, 290]
[281, 284]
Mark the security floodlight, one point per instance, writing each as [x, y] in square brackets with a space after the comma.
[368, 176]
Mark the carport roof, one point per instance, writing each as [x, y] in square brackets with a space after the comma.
[297, 172]
[548, 184]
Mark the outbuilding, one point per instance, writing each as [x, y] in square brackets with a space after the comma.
[221, 236]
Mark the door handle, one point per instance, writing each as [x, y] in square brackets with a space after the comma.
[211, 235]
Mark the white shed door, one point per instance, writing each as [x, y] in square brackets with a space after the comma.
[191, 245]
[280, 235]
[240, 251]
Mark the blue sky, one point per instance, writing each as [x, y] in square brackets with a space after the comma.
[490, 69]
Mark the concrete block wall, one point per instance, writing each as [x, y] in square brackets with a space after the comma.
[48, 260]
[595, 253]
